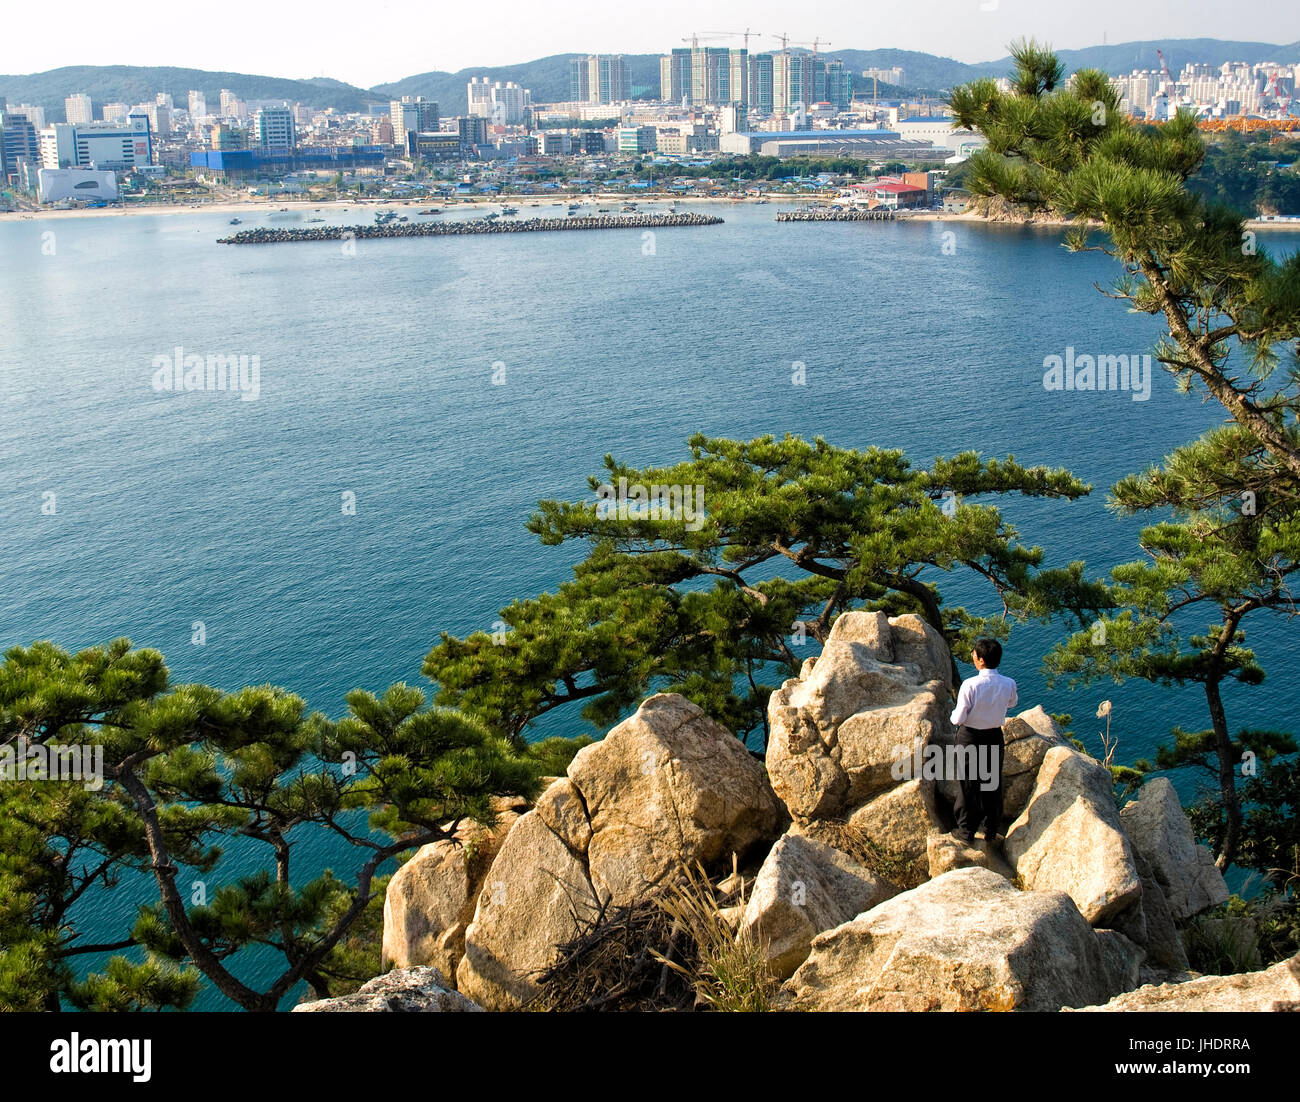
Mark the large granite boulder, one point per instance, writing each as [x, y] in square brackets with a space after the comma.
[404, 990]
[804, 887]
[899, 823]
[967, 940]
[1159, 830]
[1150, 924]
[536, 896]
[1273, 989]
[841, 730]
[431, 899]
[1068, 838]
[667, 787]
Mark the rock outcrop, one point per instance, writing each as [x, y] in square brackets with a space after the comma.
[967, 940]
[667, 786]
[845, 729]
[1273, 989]
[1160, 832]
[865, 901]
[404, 990]
[1069, 838]
[430, 899]
[804, 887]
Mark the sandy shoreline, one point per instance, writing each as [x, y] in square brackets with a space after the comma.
[255, 207]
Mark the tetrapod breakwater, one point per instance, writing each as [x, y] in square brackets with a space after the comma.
[276, 236]
[877, 215]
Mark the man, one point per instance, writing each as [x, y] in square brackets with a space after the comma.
[982, 704]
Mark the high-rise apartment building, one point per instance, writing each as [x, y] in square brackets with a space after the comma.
[232, 107]
[78, 109]
[510, 104]
[675, 76]
[115, 112]
[272, 130]
[198, 104]
[32, 113]
[413, 113]
[761, 84]
[599, 79]
[480, 97]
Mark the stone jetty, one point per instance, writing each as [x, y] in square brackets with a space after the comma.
[275, 236]
[877, 215]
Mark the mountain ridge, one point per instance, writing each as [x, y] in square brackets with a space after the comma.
[548, 77]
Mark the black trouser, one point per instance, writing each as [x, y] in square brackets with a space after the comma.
[976, 802]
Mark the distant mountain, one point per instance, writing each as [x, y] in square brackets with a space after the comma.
[131, 84]
[548, 77]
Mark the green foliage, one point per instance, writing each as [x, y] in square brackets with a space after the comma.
[1246, 174]
[1222, 943]
[1070, 151]
[795, 533]
[187, 768]
[1215, 555]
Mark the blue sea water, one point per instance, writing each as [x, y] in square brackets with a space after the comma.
[376, 379]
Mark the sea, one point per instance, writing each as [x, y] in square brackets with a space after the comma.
[415, 399]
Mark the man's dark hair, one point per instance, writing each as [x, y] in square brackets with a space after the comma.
[990, 651]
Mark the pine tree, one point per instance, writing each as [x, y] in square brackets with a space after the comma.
[1230, 551]
[793, 533]
[187, 769]
[1070, 151]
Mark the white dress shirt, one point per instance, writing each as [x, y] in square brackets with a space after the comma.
[983, 700]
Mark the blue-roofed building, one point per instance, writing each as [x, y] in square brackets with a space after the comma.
[240, 163]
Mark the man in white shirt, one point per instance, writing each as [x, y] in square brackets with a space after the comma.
[982, 703]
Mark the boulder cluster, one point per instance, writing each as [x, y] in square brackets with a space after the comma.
[852, 882]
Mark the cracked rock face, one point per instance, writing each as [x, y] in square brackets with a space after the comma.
[430, 900]
[1160, 831]
[666, 786]
[966, 940]
[842, 731]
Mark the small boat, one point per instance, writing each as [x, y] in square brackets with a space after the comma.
[629, 208]
[431, 210]
[235, 221]
[311, 220]
[509, 210]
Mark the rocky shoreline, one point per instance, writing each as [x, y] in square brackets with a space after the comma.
[273, 236]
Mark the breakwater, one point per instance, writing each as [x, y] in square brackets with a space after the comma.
[276, 236]
[877, 215]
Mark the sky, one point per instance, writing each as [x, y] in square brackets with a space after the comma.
[385, 40]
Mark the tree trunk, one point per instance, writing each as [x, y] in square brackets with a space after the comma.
[1227, 774]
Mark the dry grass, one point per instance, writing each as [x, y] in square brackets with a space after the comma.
[674, 949]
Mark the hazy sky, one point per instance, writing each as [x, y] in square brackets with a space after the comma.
[383, 40]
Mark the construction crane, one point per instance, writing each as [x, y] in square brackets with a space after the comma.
[694, 40]
[1164, 68]
[746, 34]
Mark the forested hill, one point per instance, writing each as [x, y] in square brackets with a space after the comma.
[548, 77]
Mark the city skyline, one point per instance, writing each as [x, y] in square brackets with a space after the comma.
[325, 44]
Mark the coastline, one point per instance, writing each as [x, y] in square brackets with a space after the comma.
[256, 207]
